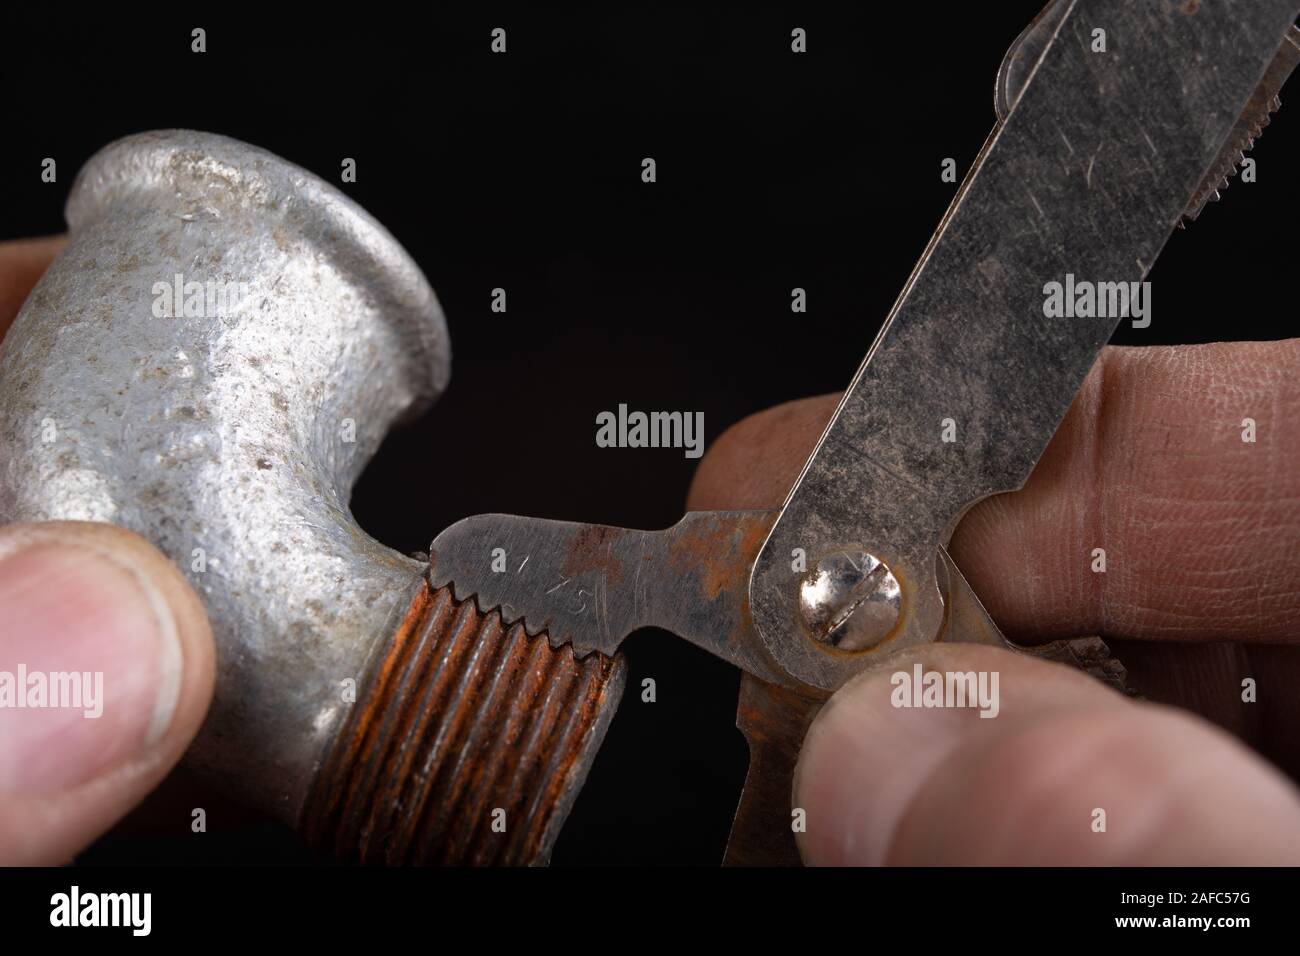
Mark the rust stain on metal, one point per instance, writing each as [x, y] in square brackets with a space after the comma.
[774, 722]
[592, 550]
[461, 719]
[708, 553]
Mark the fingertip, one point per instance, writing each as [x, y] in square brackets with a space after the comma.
[117, 667]
[753, 464]
[1067, 773]
[872, 748]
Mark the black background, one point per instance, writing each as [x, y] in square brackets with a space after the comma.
[522, 171]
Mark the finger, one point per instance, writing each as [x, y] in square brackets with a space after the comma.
[108, 662]
[22, 262]
[1067, 772]
[1197, 526]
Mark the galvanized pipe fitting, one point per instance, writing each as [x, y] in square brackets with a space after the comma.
[210, 363]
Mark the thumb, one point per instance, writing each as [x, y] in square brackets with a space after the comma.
[106, 671]
[1068, 772]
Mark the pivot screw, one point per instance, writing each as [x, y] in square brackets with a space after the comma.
[850, 600]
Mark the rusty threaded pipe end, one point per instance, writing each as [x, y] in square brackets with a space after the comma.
[465, 725]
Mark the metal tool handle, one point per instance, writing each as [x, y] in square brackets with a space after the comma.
[1096, 161]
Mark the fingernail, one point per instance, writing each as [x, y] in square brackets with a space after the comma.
[90, 664]
[861, 764]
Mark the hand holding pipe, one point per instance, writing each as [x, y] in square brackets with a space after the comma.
[210, 363]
